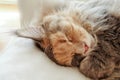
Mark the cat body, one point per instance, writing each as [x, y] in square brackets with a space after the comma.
[104, 59]
[75, 32]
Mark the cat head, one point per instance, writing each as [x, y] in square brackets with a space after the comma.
[63, 34]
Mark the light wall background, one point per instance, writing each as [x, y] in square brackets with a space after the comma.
[8, 1]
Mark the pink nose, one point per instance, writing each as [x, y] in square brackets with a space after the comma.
[86, 48]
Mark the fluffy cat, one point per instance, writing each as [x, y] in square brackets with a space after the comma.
[79, 34]
[56, 29]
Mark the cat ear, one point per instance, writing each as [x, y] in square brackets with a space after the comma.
[35, 33]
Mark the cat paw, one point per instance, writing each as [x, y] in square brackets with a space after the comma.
[95, 70]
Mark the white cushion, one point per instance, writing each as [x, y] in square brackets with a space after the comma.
[21, 60]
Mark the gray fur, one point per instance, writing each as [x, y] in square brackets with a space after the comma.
[104, 61]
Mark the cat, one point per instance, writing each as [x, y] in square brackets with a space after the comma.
[104, 59]
[59, 29]
[71, 35]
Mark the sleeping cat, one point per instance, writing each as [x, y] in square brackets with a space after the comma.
[79, 34]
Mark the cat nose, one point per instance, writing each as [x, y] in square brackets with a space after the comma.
[86, 47]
